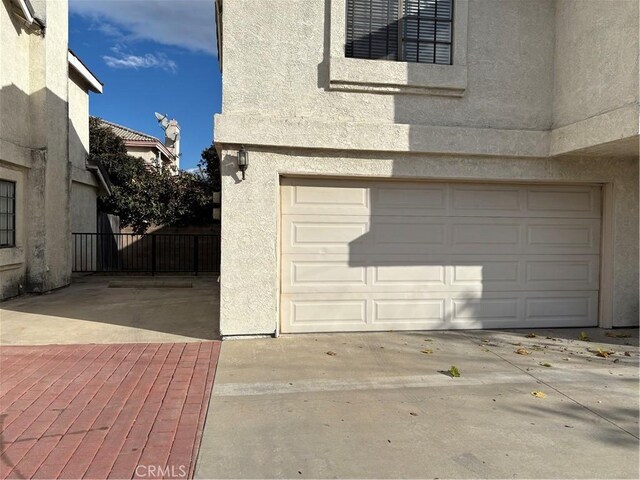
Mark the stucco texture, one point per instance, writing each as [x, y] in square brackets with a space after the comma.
[43, 144]
[250, 217]
[550, 95]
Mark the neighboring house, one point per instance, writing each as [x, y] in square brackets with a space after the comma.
[149, 148]
[46, 186]
[428, 164]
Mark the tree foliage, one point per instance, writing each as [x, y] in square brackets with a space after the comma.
[143, 196]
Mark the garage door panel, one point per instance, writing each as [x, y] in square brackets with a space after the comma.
[410, 199]
[438, 235]
[487, 200]
[458, 273]
[434, 311]
[403, 311]
[326, 314]
[569, 201]
[563, 236]
[333, 200]
[360, 255]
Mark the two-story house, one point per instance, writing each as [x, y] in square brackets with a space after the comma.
[428, 164]
[47, 188]
[149, 148]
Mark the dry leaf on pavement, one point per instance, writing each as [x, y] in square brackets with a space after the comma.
[331, 354]
[426, 351]
[602, 353]
[539, 394]
[522, 351]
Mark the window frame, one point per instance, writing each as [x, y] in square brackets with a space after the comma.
[402, 39]
[12, 214]
[401, 20]
[391, 76]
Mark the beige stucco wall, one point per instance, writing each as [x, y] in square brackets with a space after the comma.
[250, 216]
[84, 187]
[38, 144]
[84, 214]
[148, 154]
[78, 123]
[542, 77]
[533, 95]
[509, 57]
[596, 58]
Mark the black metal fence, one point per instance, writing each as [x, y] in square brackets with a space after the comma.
[148, 253]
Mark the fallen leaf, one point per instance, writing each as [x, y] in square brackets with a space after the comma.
[617, 335]
[454, 372]
[522, 351]
[583, 337]
[627, 354]
[413, 414]
[548, 365]
[331, 354]
[538, 394]
[426, 351]
[531, 335]
[603, 353]
[428, 340]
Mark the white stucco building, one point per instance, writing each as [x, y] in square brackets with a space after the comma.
[47, 188]
[149, 148]
[428, 165]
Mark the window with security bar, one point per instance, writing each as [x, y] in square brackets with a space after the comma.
[7, 214]
[400, 30]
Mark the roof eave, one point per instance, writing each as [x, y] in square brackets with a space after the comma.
[94, 84]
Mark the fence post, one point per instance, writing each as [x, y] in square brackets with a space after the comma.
[153, 254]
[195, 254]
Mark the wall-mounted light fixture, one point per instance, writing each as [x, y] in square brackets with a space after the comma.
[243, 160]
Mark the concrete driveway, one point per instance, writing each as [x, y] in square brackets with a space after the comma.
[104, 309]
[376, 406]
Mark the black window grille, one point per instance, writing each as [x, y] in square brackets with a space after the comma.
[401, 30]
[7, 213]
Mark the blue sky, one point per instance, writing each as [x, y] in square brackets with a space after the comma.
[152, 55]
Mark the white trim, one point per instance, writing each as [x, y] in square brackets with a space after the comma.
[605, 304]
[26, 11]
[94, 84]
[98, 174]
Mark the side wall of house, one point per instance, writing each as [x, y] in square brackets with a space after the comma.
[15, 159]
[84, 187]
[596, 58]
[596, 73]
[281, 67]
[34, 148]
[250, 223]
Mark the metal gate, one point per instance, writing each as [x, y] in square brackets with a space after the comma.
[147, 253]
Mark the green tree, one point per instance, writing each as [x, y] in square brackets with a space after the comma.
[143, 196]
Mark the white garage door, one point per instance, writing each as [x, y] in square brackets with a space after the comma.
[376, 255]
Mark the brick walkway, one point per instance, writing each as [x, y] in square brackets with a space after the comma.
[104, 411]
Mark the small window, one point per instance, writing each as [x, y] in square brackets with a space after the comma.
[401, 30]
[7, 214]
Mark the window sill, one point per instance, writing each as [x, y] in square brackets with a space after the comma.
[388, 77]
[11, 257]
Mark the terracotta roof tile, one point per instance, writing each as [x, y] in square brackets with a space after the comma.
[127, 133]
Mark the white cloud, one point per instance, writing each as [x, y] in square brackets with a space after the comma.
[121, 59]
[188, 24]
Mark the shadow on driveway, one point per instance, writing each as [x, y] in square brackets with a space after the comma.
[115, 310]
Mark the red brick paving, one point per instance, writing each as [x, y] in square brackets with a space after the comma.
[104, 411]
